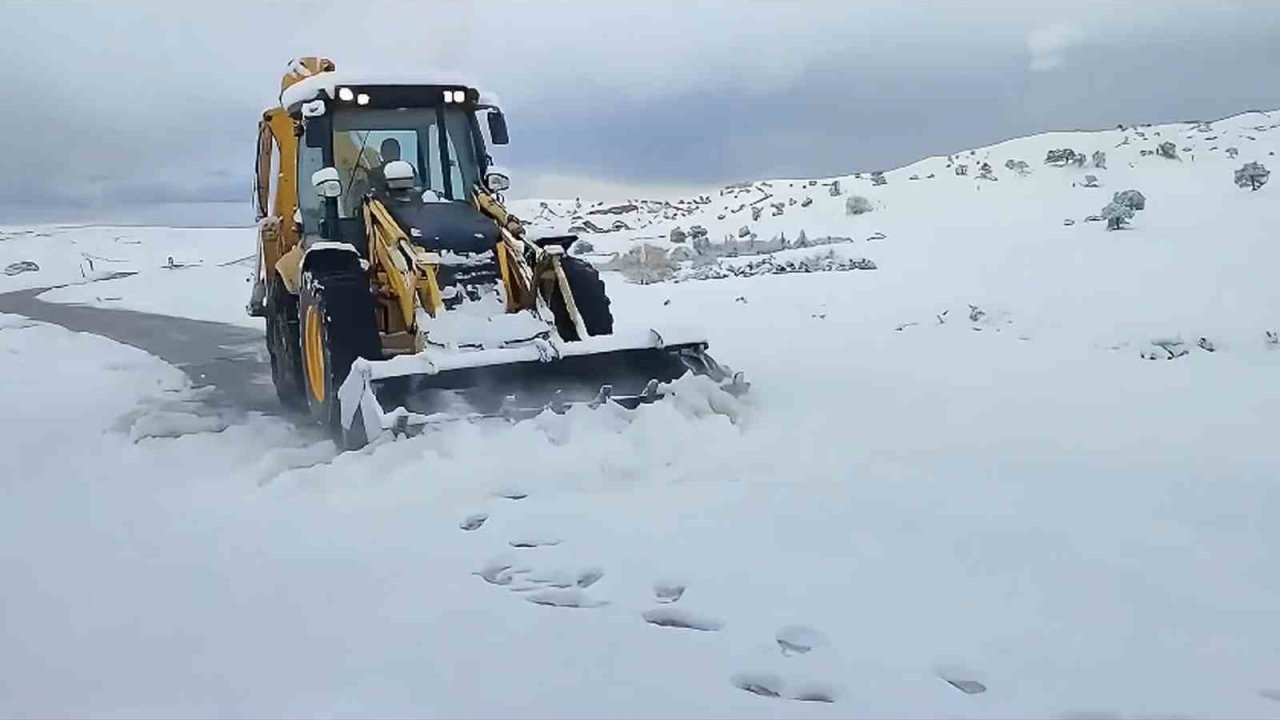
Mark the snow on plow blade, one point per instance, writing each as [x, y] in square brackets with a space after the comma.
[406, 392]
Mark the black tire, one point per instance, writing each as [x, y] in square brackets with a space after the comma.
[338, 301]
[282, 345]
[589, 295]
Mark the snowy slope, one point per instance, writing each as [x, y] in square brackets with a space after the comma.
[1015, 515]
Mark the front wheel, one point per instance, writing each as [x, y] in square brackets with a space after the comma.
[337, 325]
[588, 294]
[282, 345]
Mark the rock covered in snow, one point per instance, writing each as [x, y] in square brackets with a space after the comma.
[1091, 181]
[583, 246]
[878, 178]
[677, 235]
[1167, 150]
[1099, 159]
[834, 188]
[744, 231]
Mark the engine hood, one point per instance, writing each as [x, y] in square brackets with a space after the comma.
[443, 225]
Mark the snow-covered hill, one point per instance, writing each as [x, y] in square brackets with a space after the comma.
[961, 487]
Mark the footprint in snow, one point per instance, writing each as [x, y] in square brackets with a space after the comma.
[679, 618]
[473, 522]
[667, 592]
[500, 572]
[799, 639]
[533, 542]
[763, 684]
[771, 685]
[589, 577]
[968, 687]
[961, 678]
[563, 597]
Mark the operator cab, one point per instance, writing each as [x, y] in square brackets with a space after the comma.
[417, 148]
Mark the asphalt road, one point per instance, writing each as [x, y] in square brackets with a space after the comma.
[230, 358]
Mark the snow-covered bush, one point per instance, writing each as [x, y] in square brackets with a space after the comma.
[1253, 176]
[643, 264]
[1116, 215]
[744, 231]
[1091, 181]
[985, 172]
[857, 205]
[1100, 159]
[755, 213]
[835, 188]
[697, 231]
[1233, 152]
[1167, 150]
[677, 235]
[1018, 166]
[1062, 157]
[878, 178]
[1130, 199]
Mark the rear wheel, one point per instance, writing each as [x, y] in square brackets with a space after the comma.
[588, 294]
[282, 344]
[338, 325]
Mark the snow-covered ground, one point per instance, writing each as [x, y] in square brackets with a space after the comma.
[960, 488]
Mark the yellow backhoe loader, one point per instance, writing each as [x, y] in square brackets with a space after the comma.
[398, 290]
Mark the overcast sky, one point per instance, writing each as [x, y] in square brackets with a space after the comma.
[114, 107]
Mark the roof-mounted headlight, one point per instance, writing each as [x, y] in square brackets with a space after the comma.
[346, 94]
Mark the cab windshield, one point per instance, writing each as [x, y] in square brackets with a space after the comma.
[437, 141]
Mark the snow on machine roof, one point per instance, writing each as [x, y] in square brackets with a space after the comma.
[328, 82]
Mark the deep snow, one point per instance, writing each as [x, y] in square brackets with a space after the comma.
[919, 514]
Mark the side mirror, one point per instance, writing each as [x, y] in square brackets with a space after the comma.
[498, 127]
[496, 179]
[327, 183]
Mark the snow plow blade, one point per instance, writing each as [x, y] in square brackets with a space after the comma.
[405, 393]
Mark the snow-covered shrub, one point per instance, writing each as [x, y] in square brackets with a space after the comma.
[1116, 215]
[1253, 176]
[1167, 150]
[744, 231]
[643, 264]
[878, 178]
[802, 241]
[1131, 199]
[1233, 152]
[755, 213]
[834, 189]
[697, 231]
[1018, 166]
[1100, 159]
[857, 205]
[681, 254]
[985, 172]
[677, 235]
[1091, 181]
[1061, 157]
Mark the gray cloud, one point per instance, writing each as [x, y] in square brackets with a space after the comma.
[117, 104]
